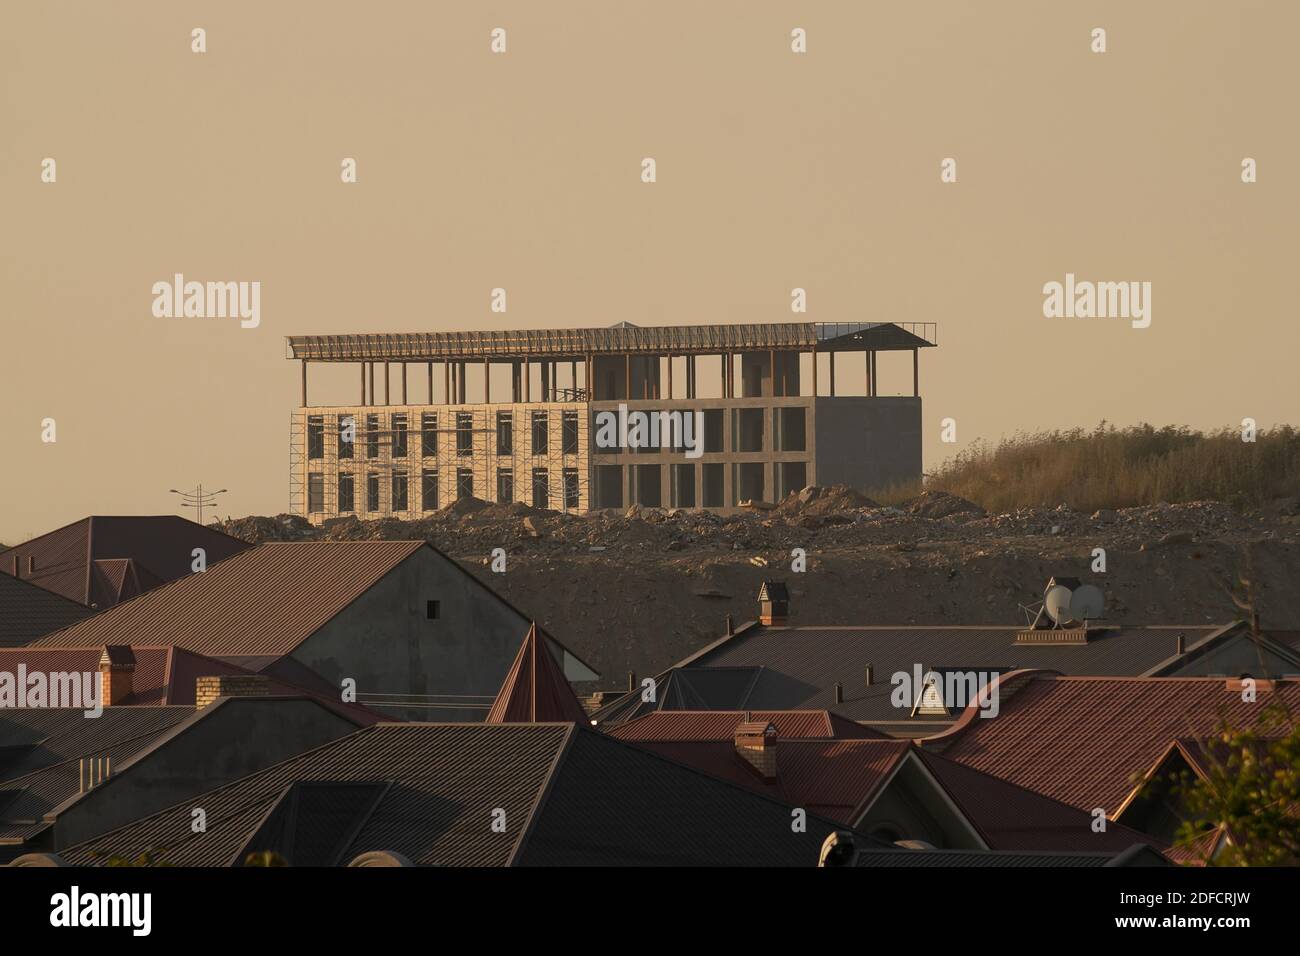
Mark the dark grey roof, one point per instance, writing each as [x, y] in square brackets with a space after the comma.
[796, 668]
[569, 796]
[28, 611]
[41, 751]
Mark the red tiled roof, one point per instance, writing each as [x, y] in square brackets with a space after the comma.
[1083, 740]
[535, 689]
[722, 724]
[266, 600]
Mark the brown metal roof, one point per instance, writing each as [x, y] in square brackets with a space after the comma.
[721, 725]
[104, 559]
[620, 339]
[535, 689]
[267, 600]
[28, 611]
[570, 796]
[1083, 740]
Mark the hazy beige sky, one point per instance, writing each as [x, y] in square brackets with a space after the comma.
[521, 170]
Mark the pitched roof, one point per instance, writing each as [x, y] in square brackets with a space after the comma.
[167, 676]
[774, 668]
[28, 611]
[721, 725]
[567, 795]
[266, 600]
[841, 779]
[835, 778]
[104, 559]
[41, 751]
[1084, 740]
[535, 689]
[1011, 817]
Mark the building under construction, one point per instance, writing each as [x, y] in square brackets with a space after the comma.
[519, 416]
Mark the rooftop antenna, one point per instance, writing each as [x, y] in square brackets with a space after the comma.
[1087, 603]
[198, 499]
[1057, 603]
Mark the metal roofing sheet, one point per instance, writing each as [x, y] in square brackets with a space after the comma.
[265, 601]
[1083, 740]
[623, 338]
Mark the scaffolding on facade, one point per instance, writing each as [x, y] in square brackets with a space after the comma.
[440, 443]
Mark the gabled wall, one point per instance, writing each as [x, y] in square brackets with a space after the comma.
[227, 740]
[386, 643]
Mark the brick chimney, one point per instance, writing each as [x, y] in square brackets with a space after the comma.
[116, 674]
[773, 603]
[208, 689]
[756, 744]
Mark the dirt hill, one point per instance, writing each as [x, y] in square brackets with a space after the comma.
[639, 590]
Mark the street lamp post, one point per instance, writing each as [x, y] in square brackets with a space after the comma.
[198, 498]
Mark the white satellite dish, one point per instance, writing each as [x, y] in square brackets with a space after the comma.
[1087, 603]
[1057, 603]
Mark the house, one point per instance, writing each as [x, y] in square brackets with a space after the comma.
[28, 611]
[890, 789]
[476, 794]
[103, 560]
[66, 777]
[399, 622]
[1108, 743]
[856, 671]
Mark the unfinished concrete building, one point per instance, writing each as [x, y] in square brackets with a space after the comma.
[747, 413]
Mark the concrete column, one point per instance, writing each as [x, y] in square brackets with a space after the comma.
[916, 373]
[386, 378]
[430, 369]
[363, 383]
[404, 402]
[304, 383]
[487, 382]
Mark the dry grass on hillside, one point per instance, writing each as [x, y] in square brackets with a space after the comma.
[1119, 468]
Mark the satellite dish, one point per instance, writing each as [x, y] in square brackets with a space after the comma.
[1057, 603]
[1087, 603]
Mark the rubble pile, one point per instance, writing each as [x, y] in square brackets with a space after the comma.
[827, 519]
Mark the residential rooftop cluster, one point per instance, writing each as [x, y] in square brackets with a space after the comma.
[372, 703]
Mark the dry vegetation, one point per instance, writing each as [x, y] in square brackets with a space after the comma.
[1119, 468]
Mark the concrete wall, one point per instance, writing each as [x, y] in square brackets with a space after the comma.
[868, 442]
[226, 741]
[386, 643]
